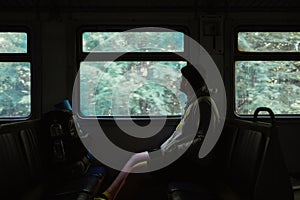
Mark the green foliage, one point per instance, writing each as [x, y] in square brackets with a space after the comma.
[274, 84]
[132, 42]
[130, 88]
[12, 42]
[15, 94]
[269, 41]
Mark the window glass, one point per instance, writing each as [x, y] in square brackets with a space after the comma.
[132, 42]
[13, 42]
[269, 41]
[15, 89]
[274, 84]
[131, 88]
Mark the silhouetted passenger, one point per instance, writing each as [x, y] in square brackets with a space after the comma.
[196, 119]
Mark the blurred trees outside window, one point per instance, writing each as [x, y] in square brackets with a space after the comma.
[15, 77]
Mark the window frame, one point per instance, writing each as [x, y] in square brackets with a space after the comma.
[20, 57]
[127, 56]
[259, 56]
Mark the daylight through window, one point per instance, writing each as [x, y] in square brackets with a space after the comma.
[132, 42]
[136, 87]
[15, 87]
[269, 41]
[270, 83]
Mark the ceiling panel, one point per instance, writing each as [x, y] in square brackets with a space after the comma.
[94, 4]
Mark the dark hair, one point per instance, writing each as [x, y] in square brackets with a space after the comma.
[193, 76]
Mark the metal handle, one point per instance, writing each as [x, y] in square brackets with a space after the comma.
[266, 109]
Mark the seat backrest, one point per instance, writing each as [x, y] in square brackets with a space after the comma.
[240, 153]
[20, 157]
[224, 149]
[246, 157]
[273, 181]
[253, 164]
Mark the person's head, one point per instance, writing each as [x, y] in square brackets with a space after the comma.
[192, 81]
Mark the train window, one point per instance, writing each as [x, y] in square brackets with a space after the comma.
[140, 86]
[132, 42]
[15, 88]
[269, 41]
[260, 81]
[135, 88]
[13, 42]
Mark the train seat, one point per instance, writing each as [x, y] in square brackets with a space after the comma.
[249, 165]
[28, 171]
